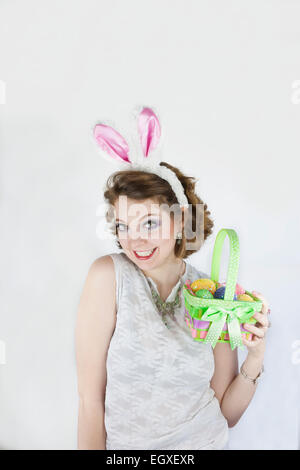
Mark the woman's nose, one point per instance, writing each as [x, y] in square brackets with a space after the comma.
[140, 237]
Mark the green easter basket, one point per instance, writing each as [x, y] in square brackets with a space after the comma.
[221, 320]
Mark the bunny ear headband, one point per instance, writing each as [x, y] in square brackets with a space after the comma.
[145, 157]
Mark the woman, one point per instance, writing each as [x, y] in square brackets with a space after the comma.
[143, 382]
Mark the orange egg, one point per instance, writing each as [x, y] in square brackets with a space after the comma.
[204, 284]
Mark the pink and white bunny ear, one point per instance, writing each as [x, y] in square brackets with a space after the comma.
[111, 142]
[149, 130]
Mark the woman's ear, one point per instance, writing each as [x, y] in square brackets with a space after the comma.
[149, 130]
[184, 212]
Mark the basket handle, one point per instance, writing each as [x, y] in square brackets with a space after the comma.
[234, 259]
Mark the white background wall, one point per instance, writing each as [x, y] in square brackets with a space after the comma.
[221, 74]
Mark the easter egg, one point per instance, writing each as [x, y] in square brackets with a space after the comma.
[245, 297]
[204, 284]
[220, 293]
[238, 288]
[204, 294]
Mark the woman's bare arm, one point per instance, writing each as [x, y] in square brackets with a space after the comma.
[95, 325]
[226, 369]
[233, 392]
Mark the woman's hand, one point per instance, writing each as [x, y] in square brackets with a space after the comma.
[256, 346]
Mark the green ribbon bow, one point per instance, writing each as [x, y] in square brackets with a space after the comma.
[233, 317]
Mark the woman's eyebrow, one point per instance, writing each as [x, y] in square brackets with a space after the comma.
[147, 215]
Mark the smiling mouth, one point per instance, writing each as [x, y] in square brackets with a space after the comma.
[145, 254]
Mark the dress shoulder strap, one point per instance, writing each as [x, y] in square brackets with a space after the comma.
[121, 265]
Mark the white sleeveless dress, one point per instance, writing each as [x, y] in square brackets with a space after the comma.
[158, 393]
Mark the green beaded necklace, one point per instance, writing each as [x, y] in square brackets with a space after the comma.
[166, 308]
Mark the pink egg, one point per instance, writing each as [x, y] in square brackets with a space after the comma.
[239, 289]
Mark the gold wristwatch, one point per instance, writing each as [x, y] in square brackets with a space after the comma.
[254, 381]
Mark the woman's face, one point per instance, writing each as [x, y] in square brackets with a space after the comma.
[146, 231]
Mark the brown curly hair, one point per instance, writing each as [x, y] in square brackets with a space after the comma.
[140, 185]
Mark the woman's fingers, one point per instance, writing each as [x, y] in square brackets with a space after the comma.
[260, 328]
[265, 303]
[251, 343]
[261, 318]
[258, 331]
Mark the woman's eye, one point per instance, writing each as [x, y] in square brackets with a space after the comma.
[150, 224]
[153, 223]
[120, 227]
